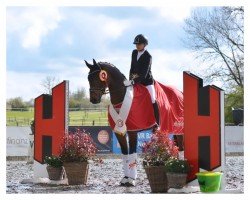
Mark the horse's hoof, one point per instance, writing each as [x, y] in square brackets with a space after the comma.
[124, 181]
[130, 182]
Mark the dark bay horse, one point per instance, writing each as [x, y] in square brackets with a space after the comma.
[103, 76]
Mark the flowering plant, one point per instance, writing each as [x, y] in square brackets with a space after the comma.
[77, 147]
[158, 150]
[53, 161]
[177, 166]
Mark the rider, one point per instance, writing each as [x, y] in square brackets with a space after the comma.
[140, 72]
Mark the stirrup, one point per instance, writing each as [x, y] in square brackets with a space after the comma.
[124, 181]
[130, 182]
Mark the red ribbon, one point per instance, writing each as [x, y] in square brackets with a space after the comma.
[103, 75]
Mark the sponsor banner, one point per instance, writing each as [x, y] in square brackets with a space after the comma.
[18, 141]
[102, 136]
[234, 139]
[143, 136]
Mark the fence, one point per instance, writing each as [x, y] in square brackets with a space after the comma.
[77, 117]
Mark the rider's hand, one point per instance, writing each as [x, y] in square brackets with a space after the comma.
[128, 83]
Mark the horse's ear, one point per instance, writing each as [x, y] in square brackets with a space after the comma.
[96, 64]
[88, 65]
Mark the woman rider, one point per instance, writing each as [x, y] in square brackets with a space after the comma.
[140, 72]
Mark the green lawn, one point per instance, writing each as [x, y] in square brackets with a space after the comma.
[23, 118]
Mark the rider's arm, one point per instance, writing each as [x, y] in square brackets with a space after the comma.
[131, 65]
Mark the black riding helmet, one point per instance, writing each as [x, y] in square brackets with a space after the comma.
[140, 39]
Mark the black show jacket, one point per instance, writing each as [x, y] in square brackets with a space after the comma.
[142, 68]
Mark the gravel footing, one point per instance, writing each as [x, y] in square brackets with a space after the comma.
[105, 178]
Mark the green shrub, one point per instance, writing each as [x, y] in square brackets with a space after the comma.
[177, 166]
[53, 161]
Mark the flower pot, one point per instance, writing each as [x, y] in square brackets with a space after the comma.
[76, 172]
[55, 173]
[157, 178]
[209, 181]
[176, 180]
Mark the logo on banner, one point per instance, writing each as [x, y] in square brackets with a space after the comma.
[103, 137]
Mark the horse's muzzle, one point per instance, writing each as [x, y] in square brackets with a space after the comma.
[95, 101]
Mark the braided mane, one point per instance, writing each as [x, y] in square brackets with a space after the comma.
[112, 67]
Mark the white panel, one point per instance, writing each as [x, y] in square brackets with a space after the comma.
[234, 139]
[66, 106]
[18, 141]
[40, 170]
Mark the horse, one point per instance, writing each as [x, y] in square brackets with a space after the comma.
[103, 76]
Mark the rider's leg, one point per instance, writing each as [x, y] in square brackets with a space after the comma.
[151, 90]
[132, 157]
[124, 148]
[156, 113]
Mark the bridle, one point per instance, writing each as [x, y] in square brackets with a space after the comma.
[103, 90]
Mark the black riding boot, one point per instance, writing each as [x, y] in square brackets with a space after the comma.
[157, 116]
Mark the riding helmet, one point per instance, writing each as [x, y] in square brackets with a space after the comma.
[140, 39]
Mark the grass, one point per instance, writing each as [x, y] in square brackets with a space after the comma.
[76, 118]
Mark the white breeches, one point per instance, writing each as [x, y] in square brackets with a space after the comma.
[151, 90]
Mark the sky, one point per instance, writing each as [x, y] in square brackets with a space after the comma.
[55, 41]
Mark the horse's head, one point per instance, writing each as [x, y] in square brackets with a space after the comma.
[97, 86]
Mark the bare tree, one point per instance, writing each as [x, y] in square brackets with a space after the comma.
[79, 94]
[216, 35]
[48, 83]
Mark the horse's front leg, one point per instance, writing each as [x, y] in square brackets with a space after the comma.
[129, 158]
[124, 149]
[132, 158]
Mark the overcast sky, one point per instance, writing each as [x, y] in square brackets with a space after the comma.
[45, 41]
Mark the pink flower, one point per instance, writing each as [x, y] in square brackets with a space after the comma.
[77, 147]
[158, 150]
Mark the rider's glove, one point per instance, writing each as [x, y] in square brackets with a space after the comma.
[128, 83]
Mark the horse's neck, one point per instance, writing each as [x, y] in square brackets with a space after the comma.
[116, 87]
[117, 96]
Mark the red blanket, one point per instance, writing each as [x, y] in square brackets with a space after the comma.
[141, 115]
